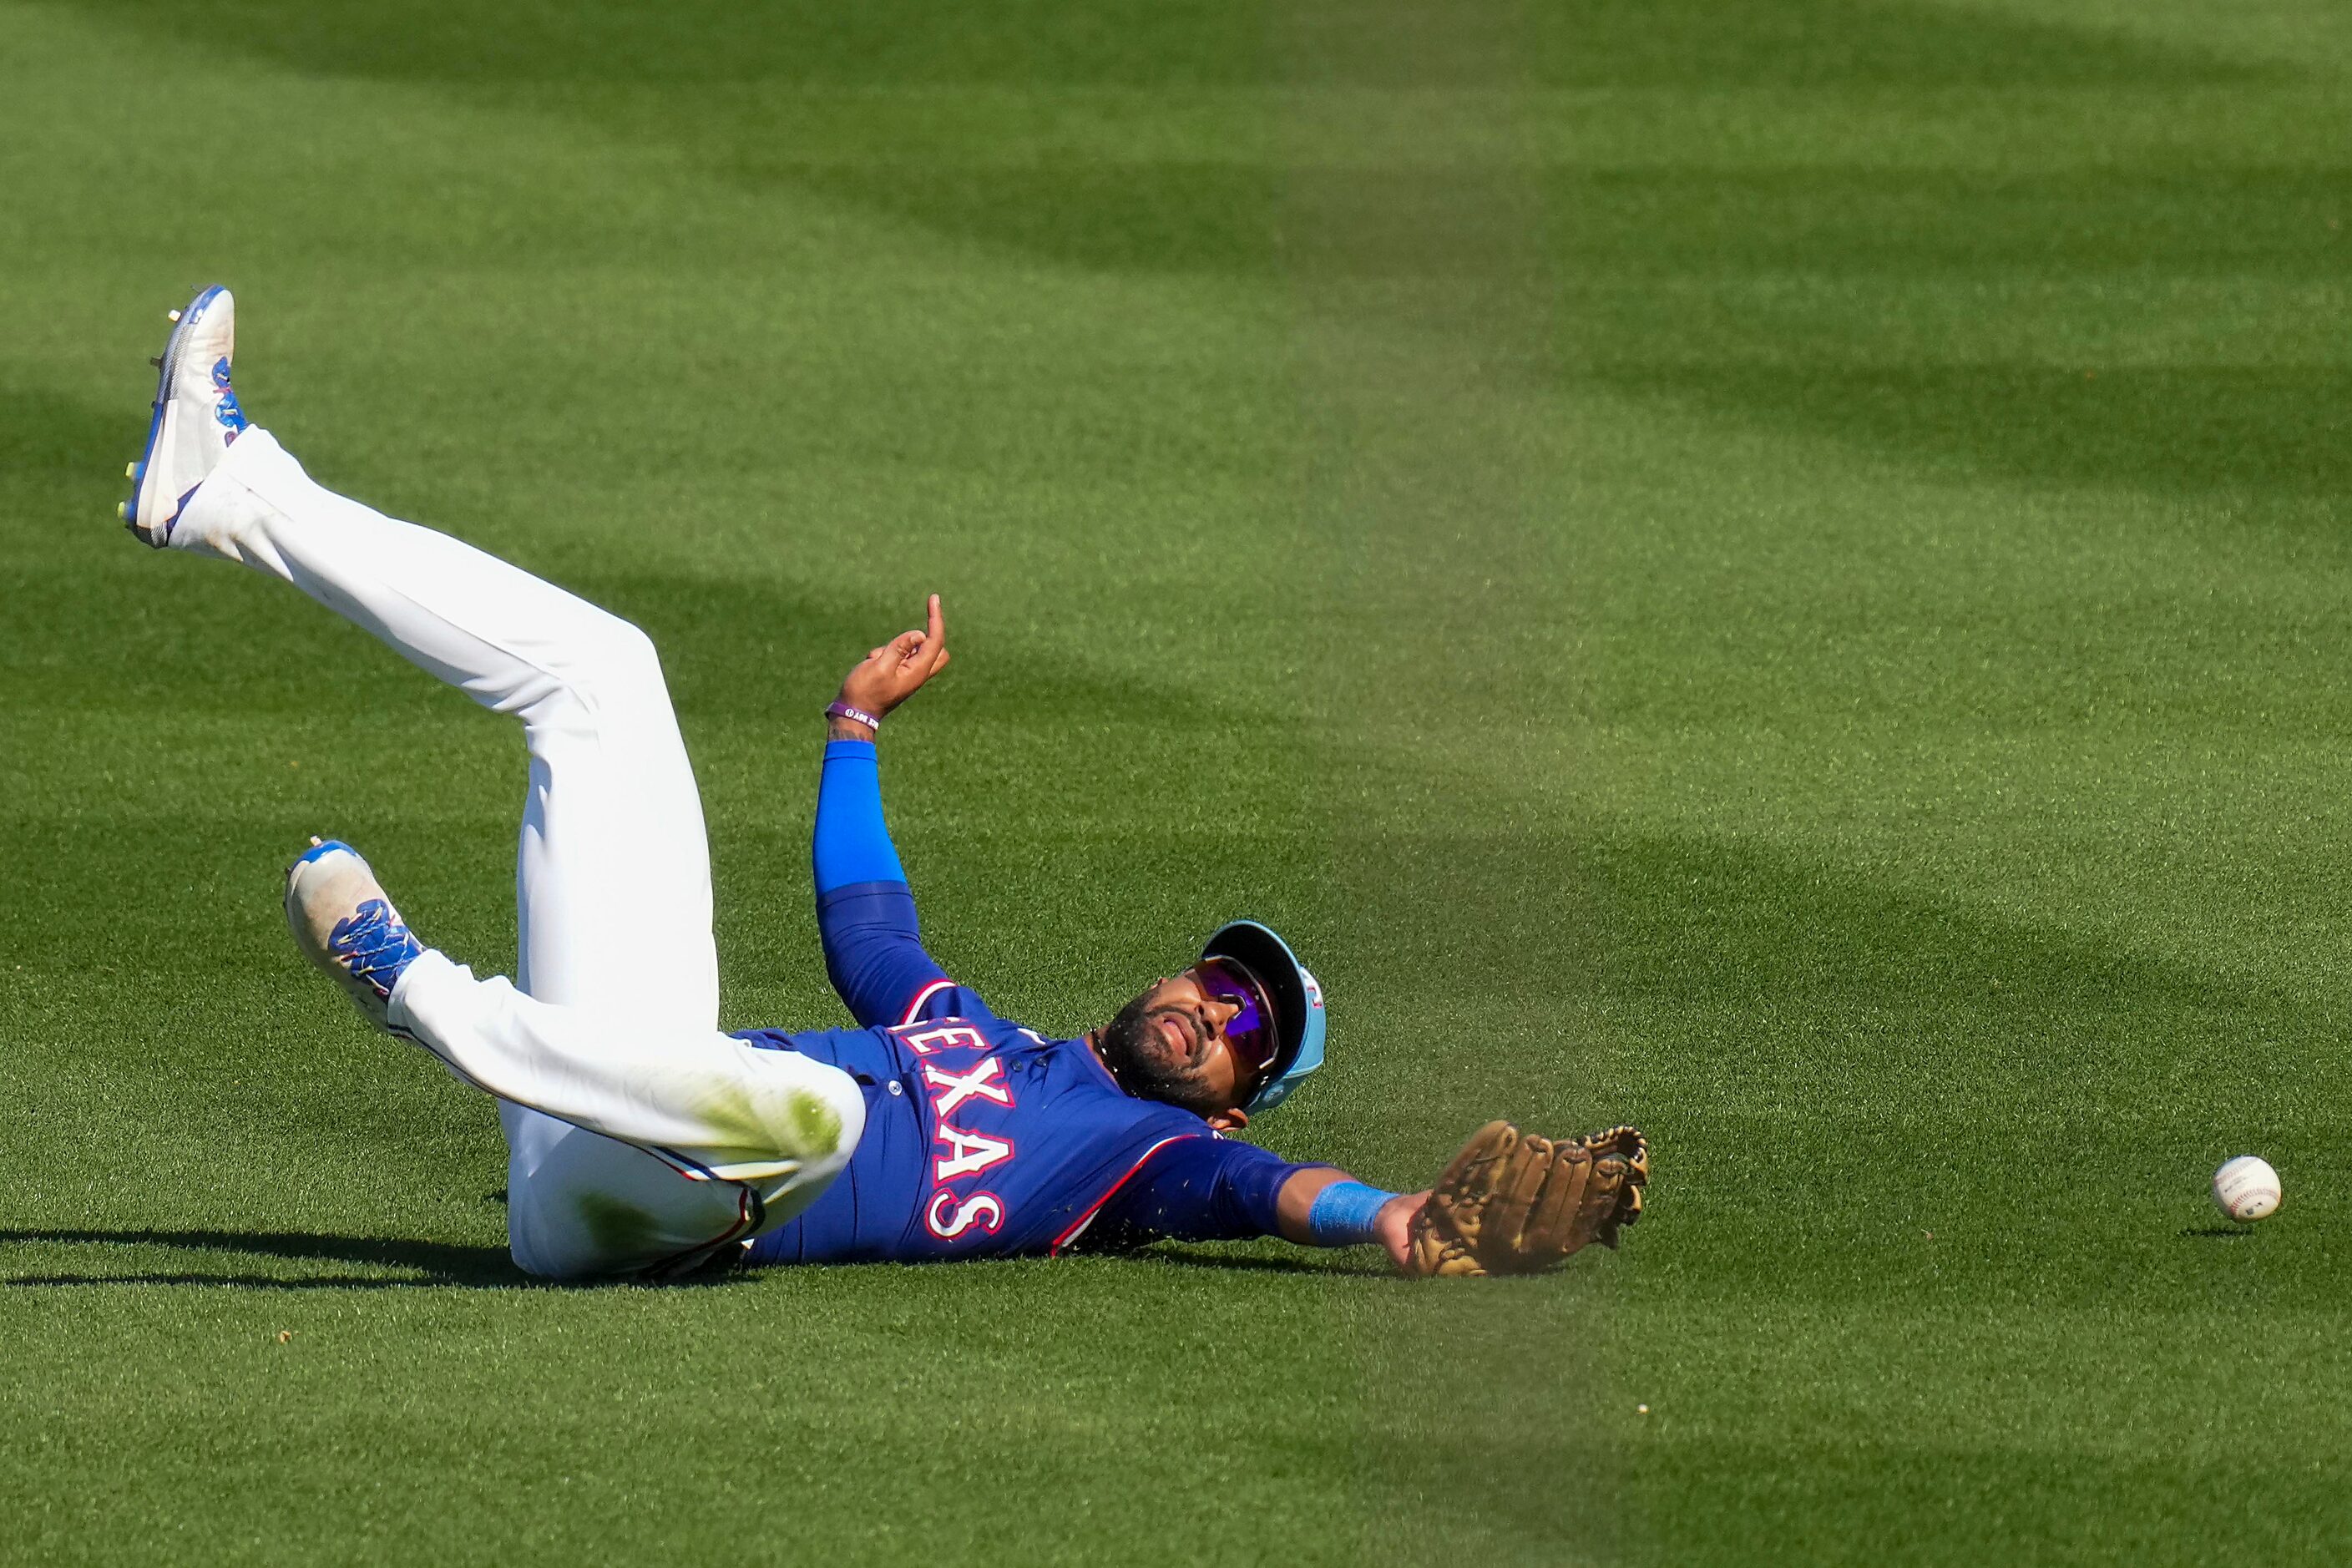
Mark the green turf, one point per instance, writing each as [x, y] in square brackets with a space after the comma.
[1775, 571]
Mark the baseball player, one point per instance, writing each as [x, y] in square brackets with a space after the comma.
[644, 1142]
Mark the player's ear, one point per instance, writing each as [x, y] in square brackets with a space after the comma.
[1231, 1121]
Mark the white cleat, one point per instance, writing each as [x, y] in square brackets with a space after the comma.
[196, 417]
[344, 923]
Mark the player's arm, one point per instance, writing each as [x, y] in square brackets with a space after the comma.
[1324, 1206]
[1210, 1189]
[866, 913]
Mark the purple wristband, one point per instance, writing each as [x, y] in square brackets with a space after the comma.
[844, 711]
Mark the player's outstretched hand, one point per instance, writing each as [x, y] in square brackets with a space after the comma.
[1395, 1225]
[896, 670]
[1511, 1204]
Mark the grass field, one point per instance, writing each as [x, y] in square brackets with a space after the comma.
[1774, 571]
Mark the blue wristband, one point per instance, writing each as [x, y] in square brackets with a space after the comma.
[1342, 1214]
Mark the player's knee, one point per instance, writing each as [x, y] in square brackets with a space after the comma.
[819, 1121]
[622, 655]
[608, 660]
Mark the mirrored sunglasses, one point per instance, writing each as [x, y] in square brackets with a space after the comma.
[1255, 1041]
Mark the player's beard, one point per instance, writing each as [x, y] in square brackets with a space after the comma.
[1126, 1046]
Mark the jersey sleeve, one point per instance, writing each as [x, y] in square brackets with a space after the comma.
[874, 951]
[1201, 1189]
[874, 955]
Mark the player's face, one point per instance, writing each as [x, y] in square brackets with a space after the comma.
[1190, 1024]
[1193, 1039]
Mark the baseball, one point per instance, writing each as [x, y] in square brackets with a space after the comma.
[2247, 1188]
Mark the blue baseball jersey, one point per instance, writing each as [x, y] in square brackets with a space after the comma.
[982, 1138]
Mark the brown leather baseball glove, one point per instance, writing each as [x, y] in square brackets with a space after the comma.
[1509, 1204]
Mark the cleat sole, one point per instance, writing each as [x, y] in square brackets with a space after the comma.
[166, 366]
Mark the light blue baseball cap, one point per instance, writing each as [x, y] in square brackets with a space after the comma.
[1296, 998]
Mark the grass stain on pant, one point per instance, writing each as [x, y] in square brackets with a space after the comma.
[620, 1229]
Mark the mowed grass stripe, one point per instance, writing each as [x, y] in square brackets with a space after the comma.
[1800, 547]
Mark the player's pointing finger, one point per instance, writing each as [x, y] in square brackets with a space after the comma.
[935, 633]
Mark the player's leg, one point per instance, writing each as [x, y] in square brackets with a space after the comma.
[711, 1107]
[612, 880]
[614, 876]
[614, 893]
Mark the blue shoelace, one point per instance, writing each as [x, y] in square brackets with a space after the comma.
[227, 411]
[374, 946]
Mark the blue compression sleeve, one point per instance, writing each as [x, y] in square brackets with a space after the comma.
[865, 915]
[852, 845]
[1342, 1214]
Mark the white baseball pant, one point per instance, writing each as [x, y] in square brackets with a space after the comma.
[640, 1138]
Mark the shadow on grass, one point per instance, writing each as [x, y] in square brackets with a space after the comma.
[1258, 1263]
[1691, 918]
[435, 1263]
[441, 1265]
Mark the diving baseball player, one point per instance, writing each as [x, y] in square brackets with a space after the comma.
[642, 1141]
